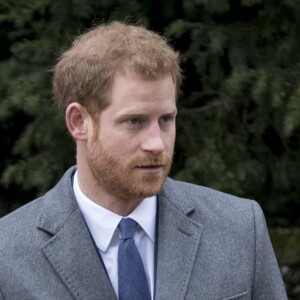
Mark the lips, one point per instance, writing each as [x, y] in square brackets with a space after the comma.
[150, 168]
[151, 164]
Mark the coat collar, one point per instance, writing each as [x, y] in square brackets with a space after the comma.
[70, 249]
[71, 252]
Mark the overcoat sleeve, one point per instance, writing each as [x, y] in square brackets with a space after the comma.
[268, 282]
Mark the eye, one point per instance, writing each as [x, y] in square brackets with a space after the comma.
[166, 119]
[134, 121]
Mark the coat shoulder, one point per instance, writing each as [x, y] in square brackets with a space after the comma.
[201, 196]
[21, 218]
[47, 208]
[211, 206]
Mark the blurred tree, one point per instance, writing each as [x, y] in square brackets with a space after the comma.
[238, 127]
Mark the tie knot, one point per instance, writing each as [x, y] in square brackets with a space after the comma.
[127, 228]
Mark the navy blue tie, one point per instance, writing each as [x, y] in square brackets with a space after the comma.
[132, 277]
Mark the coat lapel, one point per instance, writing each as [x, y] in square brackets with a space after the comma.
[70, 249]
[178, 243]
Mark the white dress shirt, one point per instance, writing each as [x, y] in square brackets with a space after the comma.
[103, 226]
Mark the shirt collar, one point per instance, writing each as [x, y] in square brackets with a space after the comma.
[102, 222]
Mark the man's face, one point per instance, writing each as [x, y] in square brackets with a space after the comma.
[130, 153]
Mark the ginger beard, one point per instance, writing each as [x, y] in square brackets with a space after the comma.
[122, 178]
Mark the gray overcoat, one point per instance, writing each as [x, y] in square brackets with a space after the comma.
[210, 246]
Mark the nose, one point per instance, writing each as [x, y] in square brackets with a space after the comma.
[153, 140]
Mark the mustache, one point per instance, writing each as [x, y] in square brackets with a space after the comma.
[151, 160]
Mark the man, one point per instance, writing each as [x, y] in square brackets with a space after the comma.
[117, 87]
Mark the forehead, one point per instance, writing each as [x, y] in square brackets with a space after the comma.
[131, 90]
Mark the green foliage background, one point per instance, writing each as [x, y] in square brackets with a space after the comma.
[239, 110]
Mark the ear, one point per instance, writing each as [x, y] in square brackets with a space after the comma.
[78, 121]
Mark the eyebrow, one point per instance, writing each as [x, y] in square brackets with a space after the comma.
[133, 113]
[137, 113]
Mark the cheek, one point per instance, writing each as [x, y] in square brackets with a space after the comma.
[122, 147]
[170, 139]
